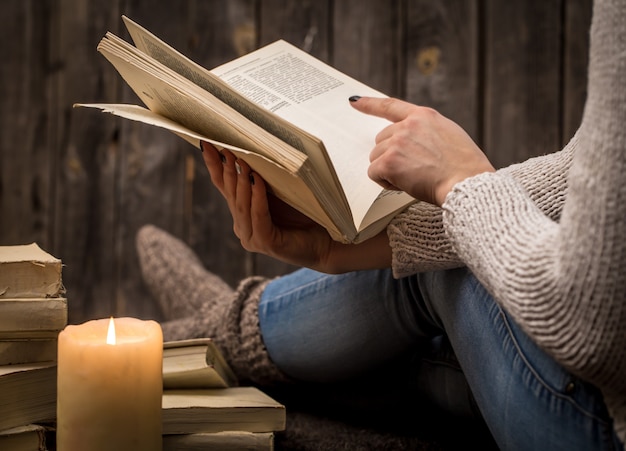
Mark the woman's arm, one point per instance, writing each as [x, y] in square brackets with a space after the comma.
[417, 236]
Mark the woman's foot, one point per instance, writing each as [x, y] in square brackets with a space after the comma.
[174, 274]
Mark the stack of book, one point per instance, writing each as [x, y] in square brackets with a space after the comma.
[33, 310]
[203, 405]
[205, 408]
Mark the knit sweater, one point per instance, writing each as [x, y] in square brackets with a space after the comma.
[547, 237]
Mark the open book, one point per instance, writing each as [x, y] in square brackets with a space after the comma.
[280, 110]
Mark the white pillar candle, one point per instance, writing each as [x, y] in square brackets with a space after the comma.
[109, 395]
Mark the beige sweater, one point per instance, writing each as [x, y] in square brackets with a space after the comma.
[547, 237]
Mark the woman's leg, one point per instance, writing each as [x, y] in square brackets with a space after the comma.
[528, 401]
[320, 327]
[332, 328]
[326, 328]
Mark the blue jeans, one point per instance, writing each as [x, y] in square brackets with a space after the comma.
[327, 328]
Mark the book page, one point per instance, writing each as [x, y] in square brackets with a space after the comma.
[291, 188]
[170, 95]
[304, 103]
[325, 181]
[314, 96]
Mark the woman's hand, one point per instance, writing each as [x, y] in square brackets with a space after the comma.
[422, 152]
[265, 224]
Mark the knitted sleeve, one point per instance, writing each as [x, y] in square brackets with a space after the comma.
[419, 241]
[564, 282]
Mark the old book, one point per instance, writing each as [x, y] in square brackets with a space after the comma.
[27, 271]
[27, 350]
[27, 394]
[30, 437]
[221, 409]
[195, 363]
[279, 109]
[20, 316]
[222, 441]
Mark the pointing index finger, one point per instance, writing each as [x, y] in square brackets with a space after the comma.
[388, 108]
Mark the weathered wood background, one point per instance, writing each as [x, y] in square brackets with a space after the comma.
[512, 73]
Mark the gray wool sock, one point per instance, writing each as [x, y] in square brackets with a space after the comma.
[199, 304]
[232, 322]
[239, 335]
[174, 274]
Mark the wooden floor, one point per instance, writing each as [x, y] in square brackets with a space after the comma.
[81, 184]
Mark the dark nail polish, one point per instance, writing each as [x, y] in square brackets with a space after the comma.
[354, 98]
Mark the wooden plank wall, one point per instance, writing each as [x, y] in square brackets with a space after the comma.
[81, 184]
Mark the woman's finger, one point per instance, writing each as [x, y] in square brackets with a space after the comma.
[213, 162]
[241, 215]
[388, 108]
[229, 174]
[261, 218]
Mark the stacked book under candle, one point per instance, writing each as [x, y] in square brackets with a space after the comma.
[33, 310]
[205, 408]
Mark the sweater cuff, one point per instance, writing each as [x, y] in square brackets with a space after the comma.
[418, 241]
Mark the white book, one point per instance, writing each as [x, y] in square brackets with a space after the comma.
[27, 271]
[279, 109]
[195, 363]
[221, 409]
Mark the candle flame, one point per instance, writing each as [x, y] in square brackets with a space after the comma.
[111, 333]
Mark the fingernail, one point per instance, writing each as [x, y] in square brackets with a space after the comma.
[354, 98]
[237, 168]
[251, 177]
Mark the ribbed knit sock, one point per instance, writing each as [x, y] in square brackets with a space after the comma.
[232, 321]
[177, 278]
[239, 335]
[174, 274]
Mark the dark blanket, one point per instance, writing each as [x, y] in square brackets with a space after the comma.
[373, 413]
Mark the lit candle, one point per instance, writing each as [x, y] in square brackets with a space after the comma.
[110, 386]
